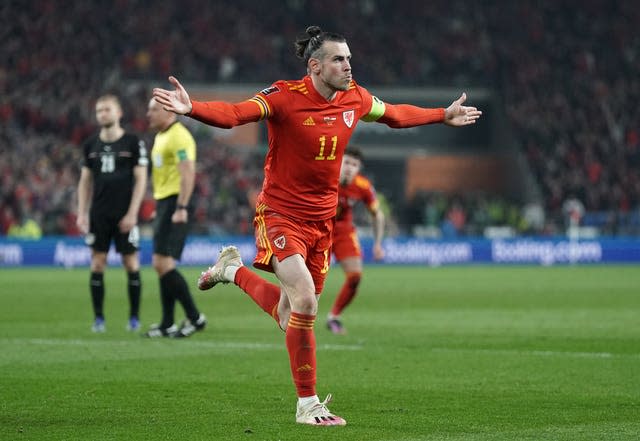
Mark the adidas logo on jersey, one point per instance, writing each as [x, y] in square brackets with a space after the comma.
[309, 122]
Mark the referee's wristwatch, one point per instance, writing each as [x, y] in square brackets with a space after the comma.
[181, 207]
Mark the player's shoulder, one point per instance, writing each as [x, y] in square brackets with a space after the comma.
[354, 87]
[362, 182]
[276, 87]
[130, 138]
[357, 93]
[284, 88]
[181, 135]
[179, 129]
[91, 141]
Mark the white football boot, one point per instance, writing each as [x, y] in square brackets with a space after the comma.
[317, 414]
[229, 256]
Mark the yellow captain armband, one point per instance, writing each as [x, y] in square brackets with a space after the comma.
[377, 110]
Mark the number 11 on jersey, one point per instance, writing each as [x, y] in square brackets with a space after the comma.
[332, 155]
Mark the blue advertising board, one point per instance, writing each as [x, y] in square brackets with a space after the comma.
[72, 252]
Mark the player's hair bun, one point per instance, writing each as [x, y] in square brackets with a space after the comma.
[309, 43]
[312, 40]
[314, 31]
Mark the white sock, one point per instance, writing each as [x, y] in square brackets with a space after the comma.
[230, 272]
[304, 401]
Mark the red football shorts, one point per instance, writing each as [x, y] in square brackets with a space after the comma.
[345, 242]
[281, 236]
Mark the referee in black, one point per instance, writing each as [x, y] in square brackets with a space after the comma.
[112, 184]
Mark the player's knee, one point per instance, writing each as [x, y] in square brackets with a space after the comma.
[132, 267]
[305, 304]
[284, 309]
[98, 265]
[161, 267]
[131, 264]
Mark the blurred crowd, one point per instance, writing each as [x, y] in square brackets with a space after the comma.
[567, 71]
[571, 82]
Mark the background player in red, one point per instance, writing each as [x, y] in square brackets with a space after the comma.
[310, 122]
[354, 188]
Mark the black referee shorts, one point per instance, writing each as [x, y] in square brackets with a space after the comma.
[169, 238]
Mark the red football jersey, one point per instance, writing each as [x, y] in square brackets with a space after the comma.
[359, 190]
[307, 139]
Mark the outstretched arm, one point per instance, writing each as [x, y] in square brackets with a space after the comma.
[215, 113]
[406, 115]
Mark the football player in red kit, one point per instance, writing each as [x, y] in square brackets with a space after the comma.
[309, 122]
[354, 188]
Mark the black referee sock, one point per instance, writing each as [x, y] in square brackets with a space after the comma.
[168, 301]
[135, 288]
[182, 294]
[96, 285]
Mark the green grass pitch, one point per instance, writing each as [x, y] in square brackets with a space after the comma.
[452, 353]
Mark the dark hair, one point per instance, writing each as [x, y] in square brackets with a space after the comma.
[354, 151]
[110, 97]
[308, 45]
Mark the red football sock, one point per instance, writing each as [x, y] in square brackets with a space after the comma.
[301, 344]
[347, 293]
[265, 294]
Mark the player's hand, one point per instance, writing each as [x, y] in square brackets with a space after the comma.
[127, 223]
[378, 252]
[82, 222]
[176, 101]
[458, 115]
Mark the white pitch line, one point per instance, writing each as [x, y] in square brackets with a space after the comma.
[235, 345]
[538, 353]
[206, 344]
